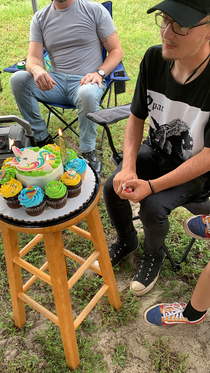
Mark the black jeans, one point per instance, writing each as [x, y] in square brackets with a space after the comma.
[155, 208]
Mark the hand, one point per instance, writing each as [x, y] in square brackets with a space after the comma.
[121, 179]
[136, 190]
[43, 79]
[92, 78]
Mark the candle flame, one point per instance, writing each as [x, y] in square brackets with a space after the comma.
[12, 142]
[60, 132]
[47, 158]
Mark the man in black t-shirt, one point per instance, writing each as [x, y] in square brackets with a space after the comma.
[172, 166]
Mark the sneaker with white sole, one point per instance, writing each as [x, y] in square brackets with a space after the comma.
[119, 250]
[147, 274]
[168, 314]
[198, 227]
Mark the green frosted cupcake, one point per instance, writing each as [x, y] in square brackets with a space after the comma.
[6, 174]
[56, 194]
[71, 154]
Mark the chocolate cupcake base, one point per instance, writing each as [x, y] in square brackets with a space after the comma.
[56, 203]
[13, 202]
[36, 210]
[74, 190]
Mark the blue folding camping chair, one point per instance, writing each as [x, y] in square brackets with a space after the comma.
[116, 79]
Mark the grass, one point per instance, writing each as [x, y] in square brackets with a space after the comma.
[21, 352]
[164, 359]
[120, 355]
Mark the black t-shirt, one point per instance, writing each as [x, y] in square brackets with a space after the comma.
[178, 114]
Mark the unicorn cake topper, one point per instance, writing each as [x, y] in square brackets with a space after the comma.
[29, 160]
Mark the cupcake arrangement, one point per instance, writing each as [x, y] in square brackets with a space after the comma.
[33, 198]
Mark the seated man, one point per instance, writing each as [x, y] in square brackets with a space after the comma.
[73, 33]
[172, 166]
[195, 311]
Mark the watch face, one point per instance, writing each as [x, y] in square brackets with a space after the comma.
[101, 72]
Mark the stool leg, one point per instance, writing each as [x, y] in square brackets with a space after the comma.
[99, 243]
[11, 249]
[57, 267]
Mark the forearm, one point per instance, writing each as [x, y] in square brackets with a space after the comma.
[189, 170]
[132, 142]
[112, 60]
[33, 65]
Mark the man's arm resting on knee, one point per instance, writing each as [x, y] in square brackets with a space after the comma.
[34, 65]
[194, 167]
[115, 55]
[189, 170]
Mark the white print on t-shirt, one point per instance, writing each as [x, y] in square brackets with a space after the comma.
[176, 127]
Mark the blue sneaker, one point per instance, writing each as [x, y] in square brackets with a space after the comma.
[198, 227]
[168, 314]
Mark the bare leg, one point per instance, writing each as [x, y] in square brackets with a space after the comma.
[201, 296]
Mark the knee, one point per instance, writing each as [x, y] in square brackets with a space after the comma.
[19, 79]
[150, 211]
[108, 188]
[87, 96]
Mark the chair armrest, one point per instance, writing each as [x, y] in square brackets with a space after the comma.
[110, 115]
[119, 73]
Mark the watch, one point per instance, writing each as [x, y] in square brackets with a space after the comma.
[101, 73]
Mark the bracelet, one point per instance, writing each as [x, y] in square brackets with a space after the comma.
[151, 187]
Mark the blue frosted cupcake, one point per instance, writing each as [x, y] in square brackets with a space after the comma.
[32, 199]
[78, 165]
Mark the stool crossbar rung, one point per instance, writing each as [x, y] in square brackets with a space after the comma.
[82, 269]
[80, 260]
[34, 278]
[81, 232]
[32, 269]
[90, 305]
[30, 245]
[38, 307]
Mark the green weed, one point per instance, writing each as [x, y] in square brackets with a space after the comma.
[119, 357]
[164, 359]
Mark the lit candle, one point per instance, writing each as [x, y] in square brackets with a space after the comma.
[63, 152]
[11, 143]
[47, 166]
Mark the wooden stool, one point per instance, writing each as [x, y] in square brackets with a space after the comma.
[55, 252]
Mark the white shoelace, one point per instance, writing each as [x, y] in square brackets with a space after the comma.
[174, 311]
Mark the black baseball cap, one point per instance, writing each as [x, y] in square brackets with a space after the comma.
[186, 13]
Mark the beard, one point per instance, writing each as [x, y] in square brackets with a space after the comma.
[166, 58]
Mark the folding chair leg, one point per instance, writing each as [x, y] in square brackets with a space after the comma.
[102, 140]
[187, 250]
[177, 265]
[48, 118]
